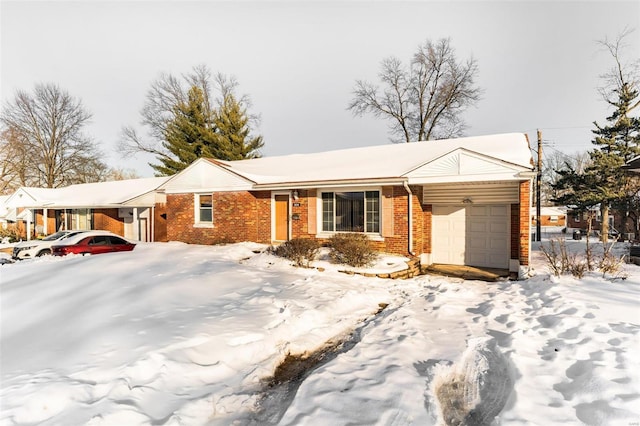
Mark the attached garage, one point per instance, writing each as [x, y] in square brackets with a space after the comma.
[476, 235]
[471, 223]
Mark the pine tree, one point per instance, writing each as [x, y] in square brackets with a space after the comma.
[604, 182]
[189, 136]
[233, 135]
[617, 142]
[185, 120]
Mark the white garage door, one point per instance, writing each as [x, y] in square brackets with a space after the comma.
[476, 235]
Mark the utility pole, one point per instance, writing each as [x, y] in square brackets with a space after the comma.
[538, 184]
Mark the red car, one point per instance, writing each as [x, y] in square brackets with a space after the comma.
[92, 243]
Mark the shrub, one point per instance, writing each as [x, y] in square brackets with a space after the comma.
[351, 249]
[10, 232]
[561, 261]
[302, 251]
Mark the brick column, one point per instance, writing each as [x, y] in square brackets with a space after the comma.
[525, 222]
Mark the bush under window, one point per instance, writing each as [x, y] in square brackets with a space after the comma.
[351, 249]
[302, 251]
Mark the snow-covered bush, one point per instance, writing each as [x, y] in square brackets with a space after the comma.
[302, 251]
[562, 261]
[351, 249]
[11, 232]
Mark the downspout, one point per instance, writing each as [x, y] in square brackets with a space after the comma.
[410, 218]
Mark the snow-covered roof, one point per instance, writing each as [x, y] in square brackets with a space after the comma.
[550, 211]
[376, 162]
[98, 194]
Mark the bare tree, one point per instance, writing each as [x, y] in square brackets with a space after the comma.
[623, 75]
[555, 161]
[44, 131]
[14, 169]
[120, 173]
[424, 100]
[164, 97]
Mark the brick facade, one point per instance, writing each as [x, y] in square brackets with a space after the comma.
[237, 216]
[108, 220]
[580, 220]
[247, 216]
[160, 222]
[546, 220]
[523, 223]
[395, 243]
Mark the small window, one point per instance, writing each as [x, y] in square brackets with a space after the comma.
[576, 217]
[204, 209]
[553, 218]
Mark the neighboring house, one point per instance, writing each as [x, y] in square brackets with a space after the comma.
[132, 208]
[459, 201]
[550, 216]
[580, 220]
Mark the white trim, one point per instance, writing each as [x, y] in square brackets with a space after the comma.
[197, 223]
[467, 178]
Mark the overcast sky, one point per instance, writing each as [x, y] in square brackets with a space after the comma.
[538, 61]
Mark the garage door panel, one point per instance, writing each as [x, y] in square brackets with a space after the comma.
[478, 226]
[476, 235]
[498, 210]
[500, 227]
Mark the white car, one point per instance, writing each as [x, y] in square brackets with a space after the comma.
[36, 248]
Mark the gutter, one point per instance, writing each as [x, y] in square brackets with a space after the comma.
[410, 219]
[328, 183]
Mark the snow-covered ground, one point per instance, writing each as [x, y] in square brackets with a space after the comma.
[176, 334]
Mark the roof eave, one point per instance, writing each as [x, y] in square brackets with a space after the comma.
[330, 183]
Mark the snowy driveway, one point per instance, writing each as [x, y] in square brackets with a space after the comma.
[184, 335]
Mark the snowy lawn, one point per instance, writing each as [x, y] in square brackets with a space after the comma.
[177, 334]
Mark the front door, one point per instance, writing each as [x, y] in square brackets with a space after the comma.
[282, 217]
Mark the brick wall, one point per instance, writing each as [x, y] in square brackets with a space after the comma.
[419, 218]
[246, 216]
[545, 220]
[160, 222]
[263, 212]
[396, 243]
[108, 220]
[596, 225]
[524, 223]
[237, 216]
[427, 212]
[50, 219]
[300, 209]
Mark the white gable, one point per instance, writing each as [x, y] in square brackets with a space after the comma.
[464, 165]
[204, 175]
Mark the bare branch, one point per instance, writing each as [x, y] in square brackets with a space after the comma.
[424, 100]
[46, 135]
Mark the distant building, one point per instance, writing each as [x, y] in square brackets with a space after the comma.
[550, 216]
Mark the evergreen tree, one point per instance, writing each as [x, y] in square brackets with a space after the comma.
[189, 136]
[193, 116]
[617, 142]
[233, 138]
[604, 182]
